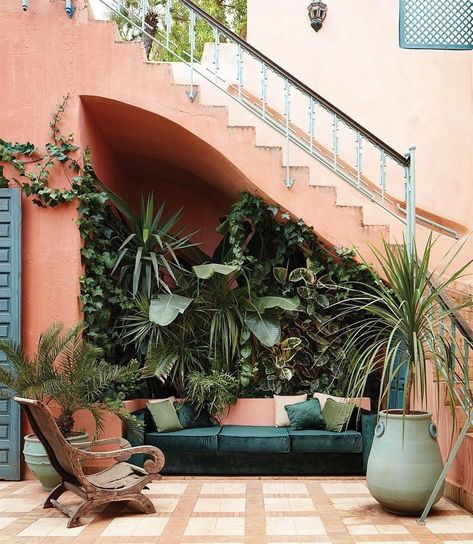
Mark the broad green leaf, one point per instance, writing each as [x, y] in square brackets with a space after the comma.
[266, 329]
[305, 293]
[265, 303]
[164, 309]
[322, 301]
[287, 374]
[291, 343]
[206, 271]
[302, 274]
[280, 274]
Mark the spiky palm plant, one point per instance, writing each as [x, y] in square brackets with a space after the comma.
[69, 371]
[402, 331]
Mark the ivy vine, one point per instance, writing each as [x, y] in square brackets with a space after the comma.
[100, 296]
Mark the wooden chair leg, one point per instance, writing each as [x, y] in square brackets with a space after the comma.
[80, 511]
[54, 495]
[145, 504]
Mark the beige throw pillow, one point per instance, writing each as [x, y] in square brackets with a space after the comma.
[281, 419]
[361, 402]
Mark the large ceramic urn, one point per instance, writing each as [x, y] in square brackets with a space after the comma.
[405, 461]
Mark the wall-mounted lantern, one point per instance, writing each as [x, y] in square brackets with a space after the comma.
[24, 5]
[317, 13]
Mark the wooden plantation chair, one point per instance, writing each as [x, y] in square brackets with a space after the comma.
[120, 482]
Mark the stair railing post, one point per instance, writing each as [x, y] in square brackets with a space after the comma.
[287, 114]
[190, 93]
[411, 200]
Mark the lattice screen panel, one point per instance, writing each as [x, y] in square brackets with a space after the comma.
[436, 24]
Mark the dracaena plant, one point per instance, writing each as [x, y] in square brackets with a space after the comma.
[70, 372]
[402, 328]
[148, 243]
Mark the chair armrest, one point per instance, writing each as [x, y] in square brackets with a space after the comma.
[121, 442]
[152, 466]
[368, 424]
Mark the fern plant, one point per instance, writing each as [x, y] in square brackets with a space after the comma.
[70, 372]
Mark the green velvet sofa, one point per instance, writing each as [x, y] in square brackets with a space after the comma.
[261, 450]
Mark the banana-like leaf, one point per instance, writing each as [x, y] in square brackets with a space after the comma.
[267, 329]
[265, 303]
[164, 309]
[206, 271]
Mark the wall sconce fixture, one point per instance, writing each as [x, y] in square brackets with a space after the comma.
[317, 13]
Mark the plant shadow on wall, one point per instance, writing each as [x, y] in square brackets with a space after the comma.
[259, 314]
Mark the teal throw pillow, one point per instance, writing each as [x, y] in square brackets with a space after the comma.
[190, 417]
[337, 414]
[305, 415]
[164, 416]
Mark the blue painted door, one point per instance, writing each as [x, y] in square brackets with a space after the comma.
[396, 393]
[10, 307]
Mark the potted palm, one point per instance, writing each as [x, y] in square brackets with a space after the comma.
[69, 374]
[401, 338]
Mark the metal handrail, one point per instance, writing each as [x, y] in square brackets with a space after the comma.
[332, 156]
[401, 159]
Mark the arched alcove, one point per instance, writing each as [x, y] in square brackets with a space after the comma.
[137, 152]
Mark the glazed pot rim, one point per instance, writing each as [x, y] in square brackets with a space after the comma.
[75, 434]
[397, 414]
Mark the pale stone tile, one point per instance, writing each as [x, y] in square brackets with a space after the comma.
[164, 488]
[362, 529]
[294, 526]
[284, 488]
[165, 505]
[442, 525]
[150, 526]
[122, 526]
[200, 526]
[219, 505]
[345, 488]
[223, 488]
[19, 505]
[4, 522]
[392, 529]
[30, 489]
[463, 522]
[301, 504]
[277, 504]
[234, 526]
[51, 527]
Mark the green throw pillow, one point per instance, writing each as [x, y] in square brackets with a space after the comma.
[164, 416]
[305, 415]
[190, 417]
[337, 414]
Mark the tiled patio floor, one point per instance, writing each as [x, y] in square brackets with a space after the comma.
[227, 511]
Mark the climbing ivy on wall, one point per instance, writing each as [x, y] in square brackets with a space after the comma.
[100, 295]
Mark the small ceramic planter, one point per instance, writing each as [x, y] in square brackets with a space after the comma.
[405, 462]
[38, 461]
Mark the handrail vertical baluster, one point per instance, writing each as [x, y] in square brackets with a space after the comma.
[191, 94]
[287, 114]
[359, 157]
[335, 140]
[382, 174]
[216, 60]
[169, 21]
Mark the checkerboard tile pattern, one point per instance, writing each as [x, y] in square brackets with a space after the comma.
[233, 511]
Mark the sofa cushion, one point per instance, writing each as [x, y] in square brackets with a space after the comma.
[244, 438]
[164, 416]
[203, 439]
[326, 441]
[305, 415]
[337, 415]
[280, 402]
[190, 417]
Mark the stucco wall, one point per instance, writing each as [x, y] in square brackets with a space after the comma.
[404, 96]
